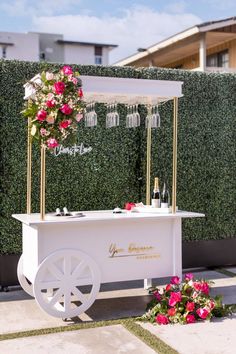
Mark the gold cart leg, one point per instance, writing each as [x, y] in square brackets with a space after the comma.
[42, 183]
[149, 143]
[174, 175]
[29, 168]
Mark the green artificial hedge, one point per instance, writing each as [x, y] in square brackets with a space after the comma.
[114, 171]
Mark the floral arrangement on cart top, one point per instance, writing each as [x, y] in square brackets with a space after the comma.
[184, 303]
[56, 107]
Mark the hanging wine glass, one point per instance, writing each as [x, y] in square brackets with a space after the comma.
[112, 117]
[133, 117]
[90, 117]
[153, 118]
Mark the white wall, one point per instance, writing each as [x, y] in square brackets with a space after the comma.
[25, 45]
[83, 54]
[75, 54]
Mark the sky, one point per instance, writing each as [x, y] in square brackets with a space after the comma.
[131, 24]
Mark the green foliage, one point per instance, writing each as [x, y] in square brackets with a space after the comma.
[114, 171]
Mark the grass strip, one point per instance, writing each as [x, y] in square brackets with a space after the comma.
[225, 272]
[148, 338]
[130, 324]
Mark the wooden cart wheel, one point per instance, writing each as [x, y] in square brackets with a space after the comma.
[24, 283]
[59, 284]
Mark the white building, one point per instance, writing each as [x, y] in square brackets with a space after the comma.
[33, 46]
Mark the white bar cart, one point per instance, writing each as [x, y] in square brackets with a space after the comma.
[65, 260]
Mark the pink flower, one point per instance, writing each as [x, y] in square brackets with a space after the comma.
[129, 206]
[157, 295]
[41, 115]
[175, 297]
[80, 92]
[188, 276]
[50, 103]
[190, 319]
[162, 319]
[67, 70]
[190, 306]
[66, 109]
[197, 286]
[205, 288]
[212, 304]
[59, 87]
[168, 287]
[65, 124]
[50, 119]
[52, 143]
[203, 312]
[49, 76]
[44, 132]
[171, 311]
[175, 280]
[74, 80]
[78, 117]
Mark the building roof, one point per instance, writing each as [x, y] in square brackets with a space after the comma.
[62, 41]
[190, 32]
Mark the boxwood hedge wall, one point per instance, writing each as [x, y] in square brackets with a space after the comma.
[114, 171]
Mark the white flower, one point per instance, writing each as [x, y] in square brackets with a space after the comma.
[49, 76]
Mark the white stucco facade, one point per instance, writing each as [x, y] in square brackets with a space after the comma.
[33, 46]
[19, 46]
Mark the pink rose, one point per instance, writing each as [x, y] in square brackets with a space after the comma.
[175, 297]
[197, 286]
[78, 117]
[49, 76]
[168, 287]
[203, 313]
[65, 124]
[212, 304]
[44, 132]
[59, 87]
[66, 109]
[129, 206]
[171, 311]
[50, 119]
[80, 92]
[41, 115]
[157, 295]
[190, 319]
[50, 103]
[67, 70]
[74, 80]
[188, 276]
[190, 306]
[205, 288]
[175, 280]
[52, 143]
[162, 319]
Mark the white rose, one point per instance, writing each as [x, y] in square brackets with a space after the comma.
[49, 76]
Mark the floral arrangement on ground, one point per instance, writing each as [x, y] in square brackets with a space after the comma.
[55, 107]
[184, 303]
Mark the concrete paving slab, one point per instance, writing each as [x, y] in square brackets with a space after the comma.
[207, 274]
[216, 337]
[231, 269]
[111, 339]
[23, 313]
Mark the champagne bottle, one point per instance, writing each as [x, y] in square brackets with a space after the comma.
[156, 196]
[165, 197]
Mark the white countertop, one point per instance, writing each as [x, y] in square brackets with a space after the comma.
[101, 215]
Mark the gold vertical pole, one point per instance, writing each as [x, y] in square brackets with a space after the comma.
[29, 168]
[149, 143]
[174, 174]
[42, 183]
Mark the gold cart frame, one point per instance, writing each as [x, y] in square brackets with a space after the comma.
[113, 90]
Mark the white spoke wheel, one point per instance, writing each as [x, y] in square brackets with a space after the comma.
[24, 283]
[62, 281]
